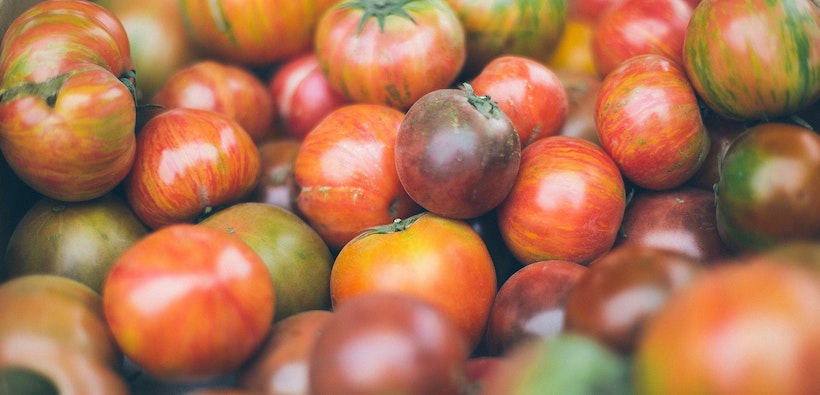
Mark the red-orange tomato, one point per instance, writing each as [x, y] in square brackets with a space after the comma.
[567, 202]
[440, 260]
[346, 173]
[531, 95]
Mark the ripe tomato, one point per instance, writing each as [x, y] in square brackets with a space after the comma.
[567, 202]
[390, 52]
[754, 59]
[276, 184]
[574, 52]
[189, 302]
[528, 92]
[346, 173]
[440, 260]
[649, 122]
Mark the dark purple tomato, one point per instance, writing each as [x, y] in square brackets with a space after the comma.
[623, 290]
[722, 131]
[531, 304]
[457, 154]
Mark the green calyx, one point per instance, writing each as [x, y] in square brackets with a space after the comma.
[380, 9]
[483, 104]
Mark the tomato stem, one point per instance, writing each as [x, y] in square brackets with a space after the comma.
[484, 104]
[379, 9]
[398, 225]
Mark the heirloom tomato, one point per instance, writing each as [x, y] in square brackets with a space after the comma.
[277, 185]
[567, 202]
[189, 162]
[390, 52]
[769, 187]
[189, 302]
[440, 260]
[457, 153]
[574, 52]
[754, 59]
[345, 170]
[648, 120]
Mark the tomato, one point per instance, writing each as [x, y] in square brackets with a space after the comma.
[390, 52]
[638, 27]
[528, 28]
[345, 170]
[649, 121]
[582, 90]
[574, 51]
[296, 256]
[253, 33]
[590, 10]
[189, 162]
[231, 90]
[382, 343]
[567, 202]
[78, 240]
[722, 132]
[779, 44]
[528, 92]
[727, 336]
[189, 302]
[437, 259]
[277, 185]
[457, 153]
[769, 185]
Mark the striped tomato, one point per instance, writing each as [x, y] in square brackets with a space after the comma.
[754, 59]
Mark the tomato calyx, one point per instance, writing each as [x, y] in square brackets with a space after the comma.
[380, 9]
[484, 104]
[398, 225]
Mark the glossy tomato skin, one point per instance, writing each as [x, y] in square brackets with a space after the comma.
[440, 260]
[649, 121]
[567, 202]
[372, 52]
[457, 154]
[639, 27]
[769, 185]
[190, 161]
[385, 342]
[528, 92]
[228, 89]
[780, 44]
[346, 173]
[188, 302]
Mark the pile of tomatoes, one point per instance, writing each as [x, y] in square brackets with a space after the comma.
[410, 196]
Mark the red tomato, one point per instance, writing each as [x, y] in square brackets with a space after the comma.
[528, 92]
[440, 260]
[346, 173]
[754, 59]
[224, 88]
[277, 185]
[649, 122]
[567, 202]
[390, 52]
[302, 95]
[188, 302]
[188, 162]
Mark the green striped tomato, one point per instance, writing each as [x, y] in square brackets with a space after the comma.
[754, 59]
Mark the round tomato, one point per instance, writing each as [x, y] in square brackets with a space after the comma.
[440, 260]
[390, 52]
[189, 302]
[277, 185]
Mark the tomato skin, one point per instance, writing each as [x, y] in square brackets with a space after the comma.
[346, 172]
[438, 259]
[567, 202]
[394, 65]
[189, 302]
[768, 188]
[528, 92]
[780, 44]
[277, 185]
[649, 121]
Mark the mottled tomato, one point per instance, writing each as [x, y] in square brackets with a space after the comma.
[228, 89]
[388, 343]
[567, 202]
[769, 187]
[440, 260]
[528, 92]
[277, 185]
[649, 122]
[457, 153]
[189, 162]
[390, 52]
[346, 173]
[189, 302]
[744, 328]
[753, 60]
